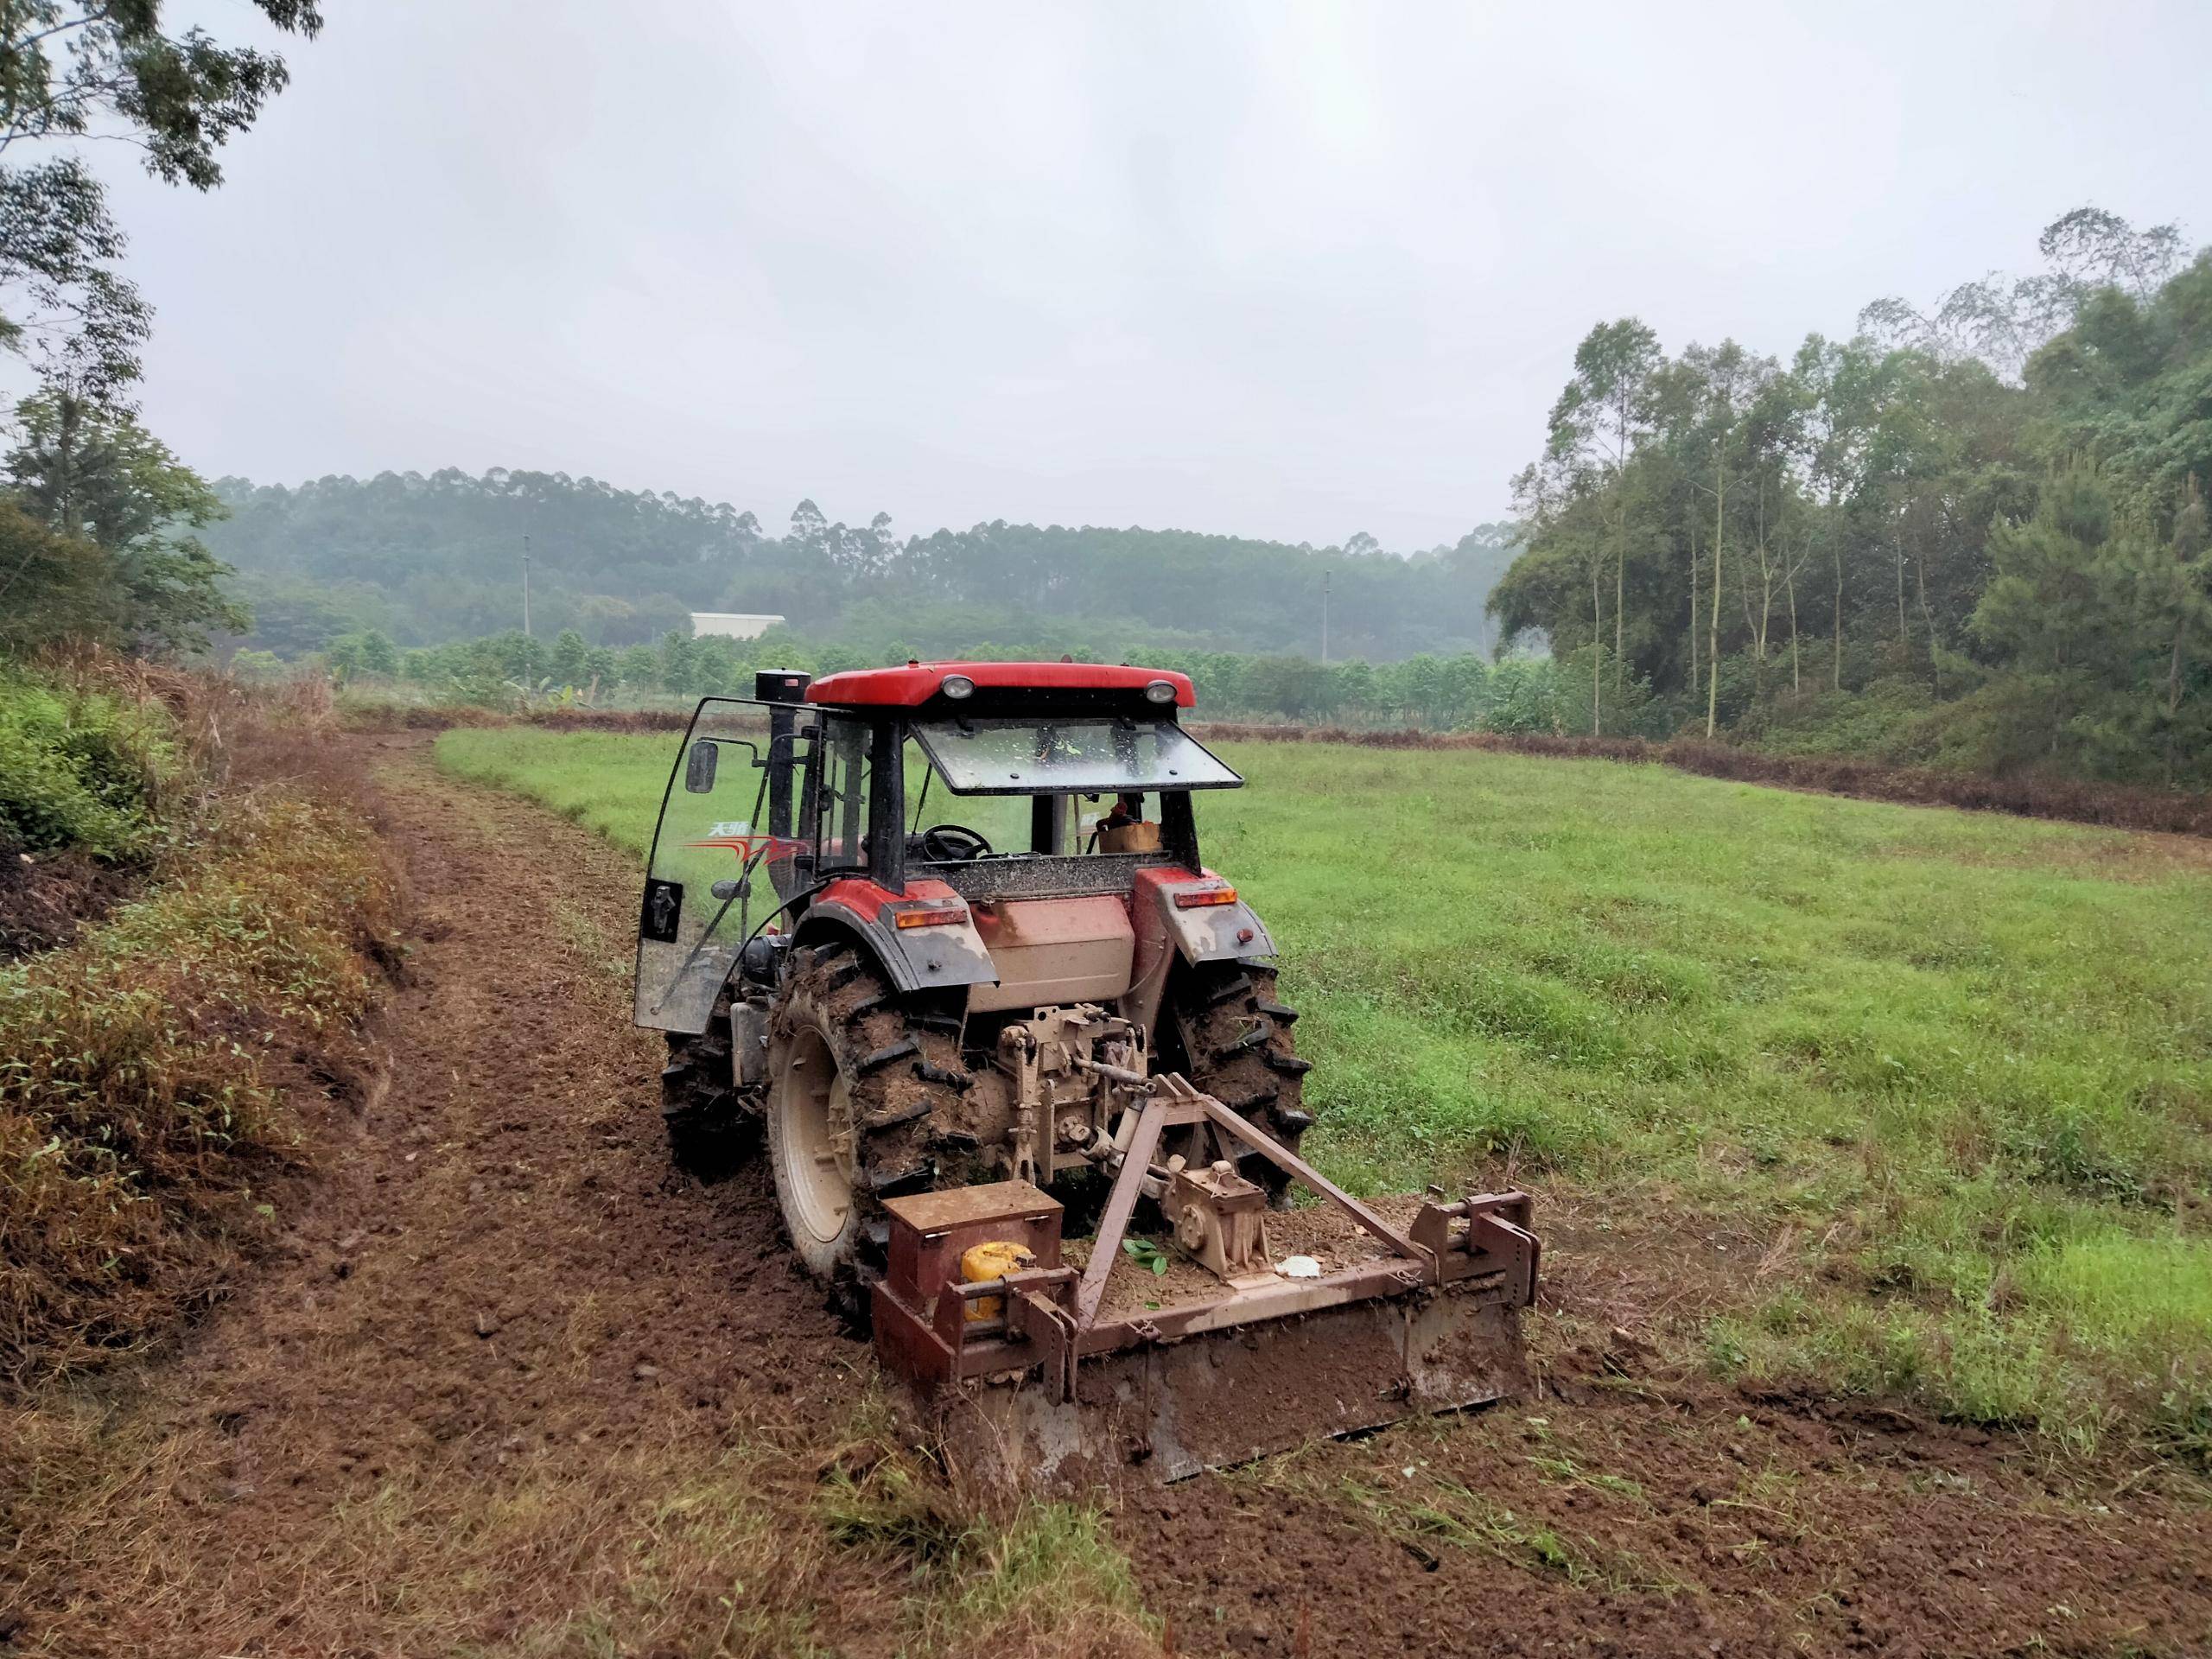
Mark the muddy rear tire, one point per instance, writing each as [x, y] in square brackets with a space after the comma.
[862, 1082]
[1236, 1041]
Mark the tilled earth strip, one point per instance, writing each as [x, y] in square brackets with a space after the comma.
[509, 1373]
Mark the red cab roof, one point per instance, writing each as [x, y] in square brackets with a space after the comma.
[915, 683]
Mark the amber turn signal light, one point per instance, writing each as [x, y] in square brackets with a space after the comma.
[942, 916]
[1202, 897]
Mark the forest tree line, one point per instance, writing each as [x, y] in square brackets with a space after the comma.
[428, 559]
[1974, 534]
[1460, 690]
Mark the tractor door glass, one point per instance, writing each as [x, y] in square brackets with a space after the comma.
[1089, 754]
[693, 919]
[843, 799]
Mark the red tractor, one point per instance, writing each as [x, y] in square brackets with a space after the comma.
[988, 968]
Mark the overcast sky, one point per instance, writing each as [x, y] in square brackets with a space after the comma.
[1287, 270]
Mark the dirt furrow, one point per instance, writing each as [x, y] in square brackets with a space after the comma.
[500, 1339]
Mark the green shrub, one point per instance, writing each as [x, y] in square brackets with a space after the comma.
[79, 770]
[1877, 722]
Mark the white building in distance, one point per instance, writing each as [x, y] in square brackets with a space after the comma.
[730, 624]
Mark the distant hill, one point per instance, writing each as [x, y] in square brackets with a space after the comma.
[428, 559]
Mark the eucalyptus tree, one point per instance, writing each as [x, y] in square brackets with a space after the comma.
[2089, 250]
[1843, 388]
[1601, 417]
[74, 69]
[1725, 384]
[2001, 321]
[1773, 441]
[1568, 534]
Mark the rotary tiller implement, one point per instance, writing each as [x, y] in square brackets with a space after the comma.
[1033, 1380]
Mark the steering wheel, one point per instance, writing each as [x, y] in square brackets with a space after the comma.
[947, 843]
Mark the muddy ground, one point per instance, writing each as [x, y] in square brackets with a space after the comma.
[513, 1387]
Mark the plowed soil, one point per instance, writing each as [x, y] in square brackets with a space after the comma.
[479, 1401]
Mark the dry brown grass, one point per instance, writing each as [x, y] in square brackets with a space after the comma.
[771, 1549]
[149, 1069]
[367, 717]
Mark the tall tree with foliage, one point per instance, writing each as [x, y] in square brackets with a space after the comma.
[98, 478]
[1594, 426]
[1843, 389]
[1727, 383]
[71, 69]
[2000, 321]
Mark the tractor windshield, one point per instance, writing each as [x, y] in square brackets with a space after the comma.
[1088, 755]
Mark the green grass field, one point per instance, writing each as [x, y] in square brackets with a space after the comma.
[1950, 1074]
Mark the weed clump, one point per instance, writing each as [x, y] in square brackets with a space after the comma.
[80, 771]
[142, 1070]
[1032, 1577]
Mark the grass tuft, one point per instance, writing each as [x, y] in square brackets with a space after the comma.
[1030, 1578]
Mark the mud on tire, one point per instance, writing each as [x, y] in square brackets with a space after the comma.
[707, 1132]
[898, 1061]
[1235, 1037]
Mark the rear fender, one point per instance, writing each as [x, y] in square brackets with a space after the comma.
[944, 955]
[1196, 934]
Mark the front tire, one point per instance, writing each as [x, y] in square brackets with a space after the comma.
[707, 1131]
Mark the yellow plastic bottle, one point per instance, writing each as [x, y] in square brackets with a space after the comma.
[994, 1260]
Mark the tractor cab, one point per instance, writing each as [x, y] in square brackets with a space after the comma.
[942, 814]
[987, 776]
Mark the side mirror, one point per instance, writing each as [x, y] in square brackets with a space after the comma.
[699, 766]
[726, 890]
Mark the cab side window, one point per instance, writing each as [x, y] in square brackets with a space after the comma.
[842, 755]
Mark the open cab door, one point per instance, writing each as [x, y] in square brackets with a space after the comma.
[716, 857]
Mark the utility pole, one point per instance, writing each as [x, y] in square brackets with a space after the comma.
[525, 585]
[1325, 619]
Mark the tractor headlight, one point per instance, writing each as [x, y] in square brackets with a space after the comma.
[1160, 691]
[957, 685]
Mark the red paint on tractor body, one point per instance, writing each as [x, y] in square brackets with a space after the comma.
[867, 898]
[917, 682]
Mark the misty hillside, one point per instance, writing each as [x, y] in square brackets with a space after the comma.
[428, 559]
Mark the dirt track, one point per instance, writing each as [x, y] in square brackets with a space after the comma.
[508, 1363]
